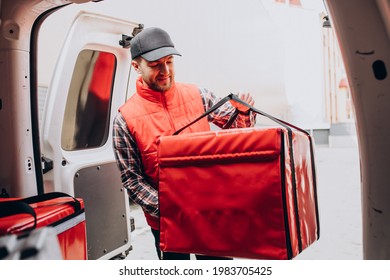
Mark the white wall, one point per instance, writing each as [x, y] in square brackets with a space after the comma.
[301, 33]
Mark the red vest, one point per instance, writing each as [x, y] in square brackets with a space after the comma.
[150, 114]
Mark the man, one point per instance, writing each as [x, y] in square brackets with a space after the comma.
[160, 106]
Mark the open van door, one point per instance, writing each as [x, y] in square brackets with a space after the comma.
[88, 86]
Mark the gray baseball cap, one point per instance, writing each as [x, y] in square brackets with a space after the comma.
[152, 44]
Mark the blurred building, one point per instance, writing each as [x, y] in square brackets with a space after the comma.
[338, 102]
[337, 126]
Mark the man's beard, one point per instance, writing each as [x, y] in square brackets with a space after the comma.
[161, 88]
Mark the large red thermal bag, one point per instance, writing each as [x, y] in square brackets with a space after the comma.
[244, 193]
[58, 210]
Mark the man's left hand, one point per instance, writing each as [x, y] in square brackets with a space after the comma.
[247, 98]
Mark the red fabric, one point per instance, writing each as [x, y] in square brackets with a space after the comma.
[72, 241]
[230, 193]
[150, 114]
[102, 76]
[306, 192]
[102, 80]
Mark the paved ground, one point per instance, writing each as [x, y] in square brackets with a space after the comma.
[339, 203]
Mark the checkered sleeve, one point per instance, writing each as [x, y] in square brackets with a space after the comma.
[128, 159]
[220, 116]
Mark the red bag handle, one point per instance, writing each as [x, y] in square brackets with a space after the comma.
[234, 97]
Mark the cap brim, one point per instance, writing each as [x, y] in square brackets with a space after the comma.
[160, 53]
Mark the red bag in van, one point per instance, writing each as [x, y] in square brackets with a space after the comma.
[58, 210]
[245, 193]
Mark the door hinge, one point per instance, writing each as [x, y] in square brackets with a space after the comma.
[47, 164]
[125, 42]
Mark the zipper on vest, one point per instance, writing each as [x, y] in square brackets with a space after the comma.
[164, 103]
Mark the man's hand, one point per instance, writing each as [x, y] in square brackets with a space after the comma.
[247, 98]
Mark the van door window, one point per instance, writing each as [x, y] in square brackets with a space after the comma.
[86, 120]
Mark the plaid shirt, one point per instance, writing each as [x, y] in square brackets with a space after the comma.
[129, 158]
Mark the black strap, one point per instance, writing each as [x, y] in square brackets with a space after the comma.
[22, 206]
[234, 97]
[232, 118]
[209, 111]
[14, 207]
[279, 121]
[51, 195]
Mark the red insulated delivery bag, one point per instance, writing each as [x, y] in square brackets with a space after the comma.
[244, 193]
[57, 210]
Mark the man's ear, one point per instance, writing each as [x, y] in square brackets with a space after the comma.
[136, 66]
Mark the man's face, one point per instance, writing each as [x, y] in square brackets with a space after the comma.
[158, 75]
